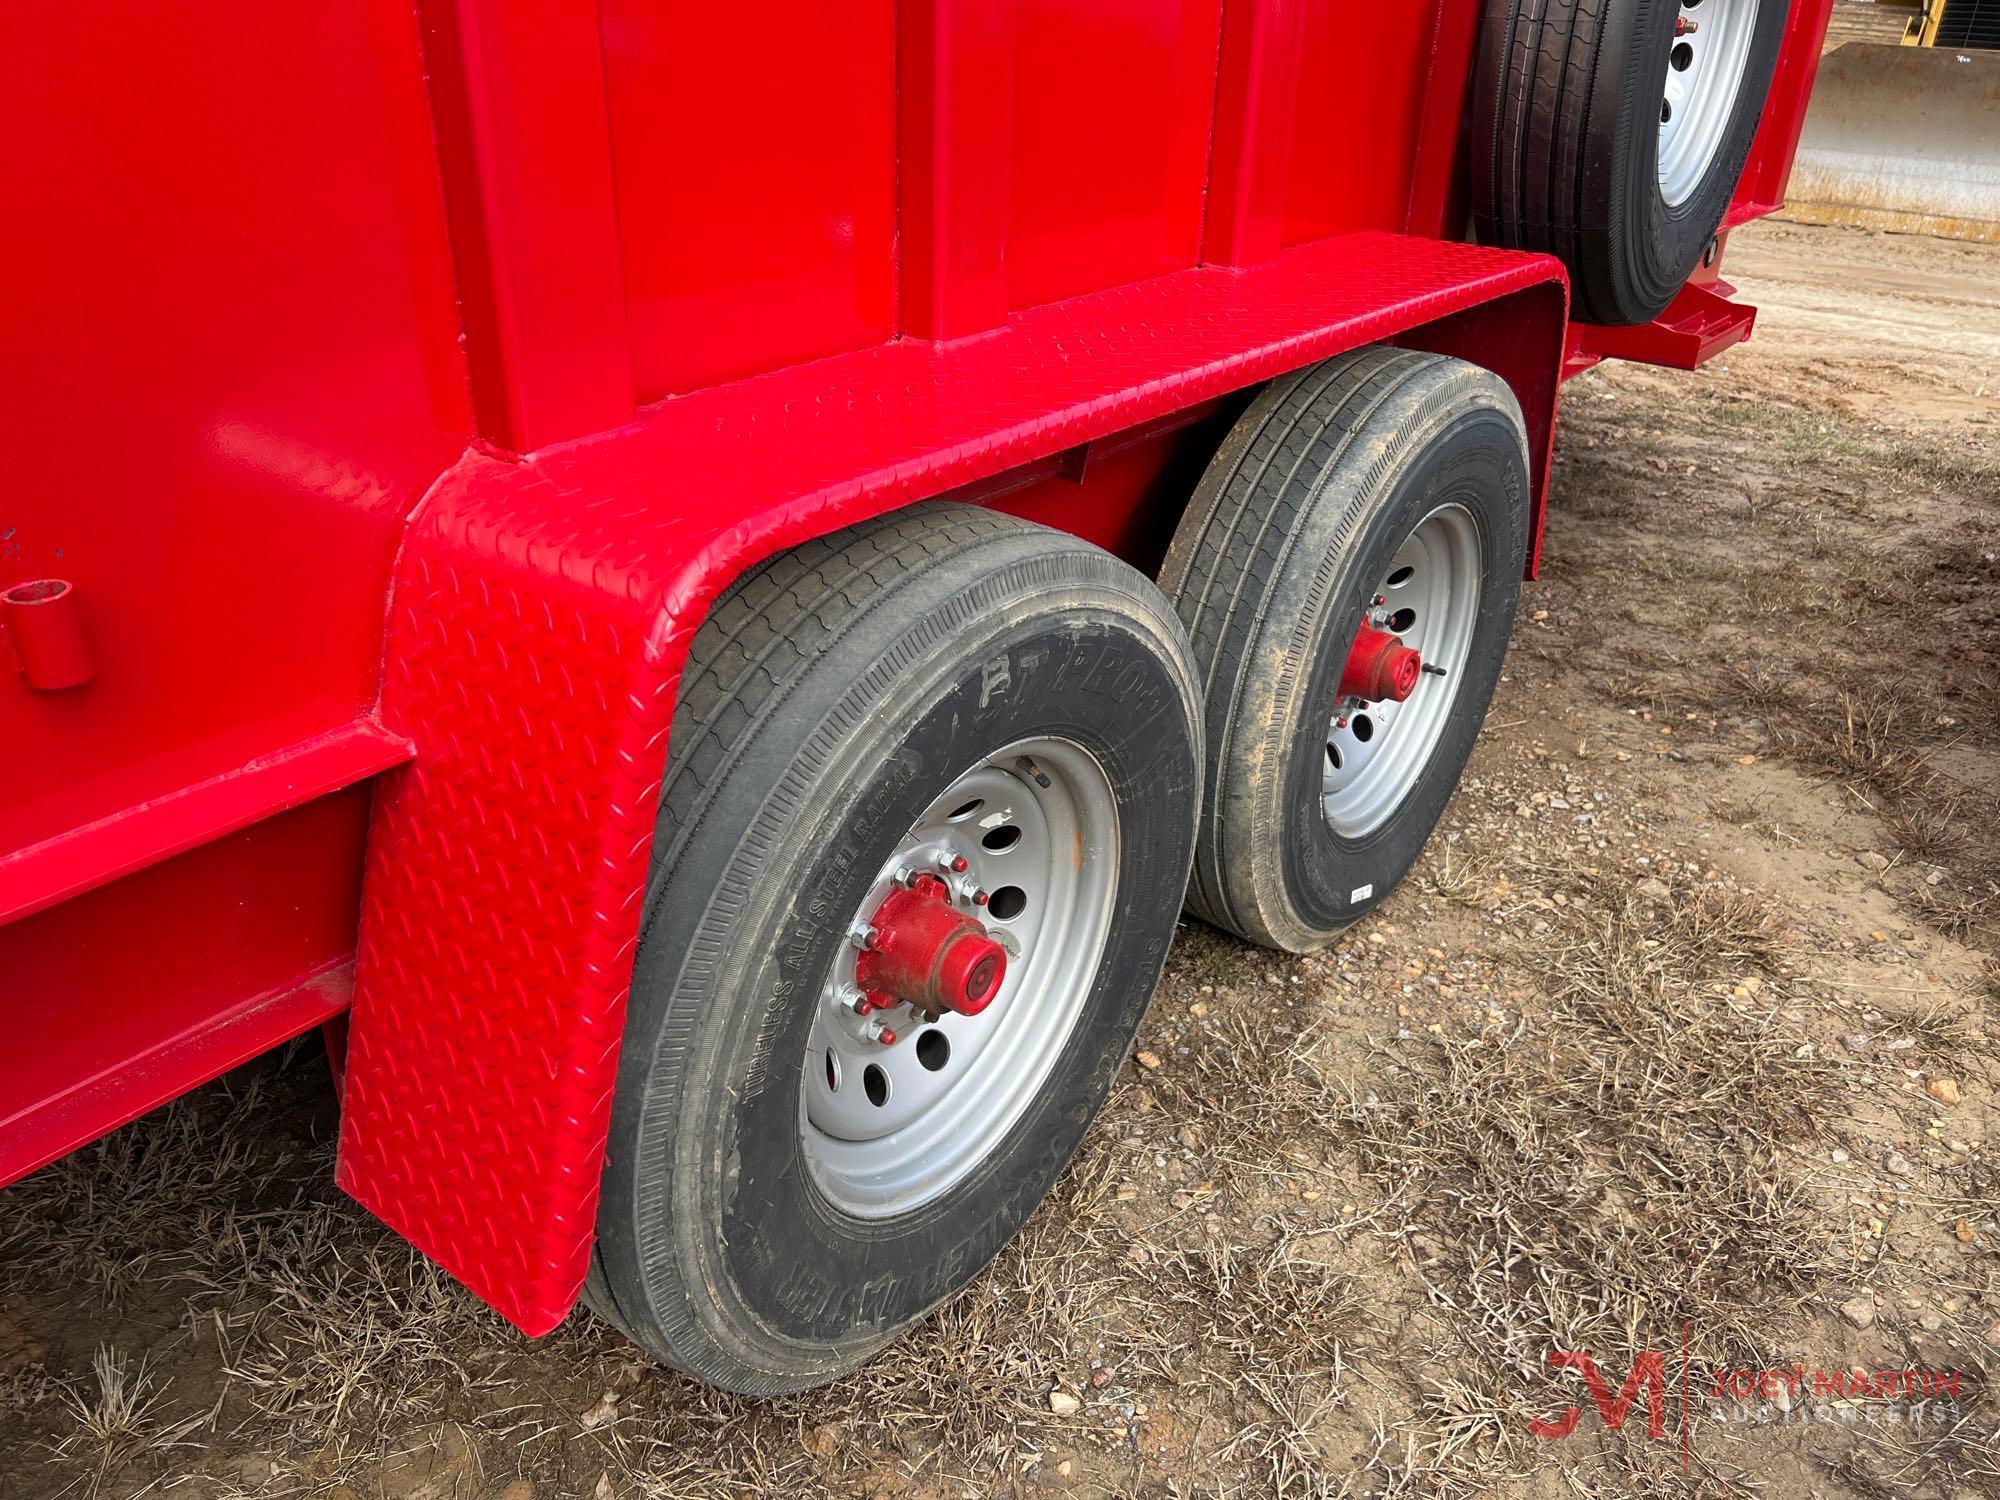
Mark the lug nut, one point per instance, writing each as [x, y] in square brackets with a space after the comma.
[862, 936]
[956, 864]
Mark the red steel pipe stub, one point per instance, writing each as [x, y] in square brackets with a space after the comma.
[930, 955]
[1379, 667]
[46, 631]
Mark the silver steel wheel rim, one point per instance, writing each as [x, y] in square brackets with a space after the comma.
[1375, 751]
[1038, 824]
[1704, 75]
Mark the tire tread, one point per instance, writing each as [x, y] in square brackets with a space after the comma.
[1224, 593]
[769, 694]
[1552, 98]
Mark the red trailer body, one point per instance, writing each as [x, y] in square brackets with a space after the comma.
[395, 393]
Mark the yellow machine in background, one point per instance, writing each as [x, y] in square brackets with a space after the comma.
[1965, 24]
[1905, 137]
[1922, 28]
[1969, 24]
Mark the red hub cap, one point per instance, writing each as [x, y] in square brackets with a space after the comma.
[1379, 667]
[928, 954]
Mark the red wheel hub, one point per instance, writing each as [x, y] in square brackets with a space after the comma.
[925, 952]
[1380, 666]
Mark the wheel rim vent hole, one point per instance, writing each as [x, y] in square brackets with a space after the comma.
[1333, 755]
[832, 1072]
[1401, 576]
[933, 1049]
[1008, 902]
[1402, 619]
[1000, 840]
[965, 810]
[875, 1084]
[1682, 56]
[1363, 727]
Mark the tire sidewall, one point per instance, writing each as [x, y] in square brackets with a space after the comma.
[1651, 248]
[789, 1273]
[1474, 461]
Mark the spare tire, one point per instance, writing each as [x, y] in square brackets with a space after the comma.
[1611, 133]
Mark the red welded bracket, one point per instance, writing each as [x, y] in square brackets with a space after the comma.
[1701, 323]
[51, 1128]
[540, 616]
[96, 853]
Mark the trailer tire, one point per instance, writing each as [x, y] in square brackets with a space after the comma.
[1376, 472]
[1578, 152]
[834, 700]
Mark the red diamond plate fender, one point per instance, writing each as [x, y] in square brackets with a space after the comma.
[540, 616]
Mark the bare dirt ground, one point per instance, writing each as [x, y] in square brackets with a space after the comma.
[1684, 1038]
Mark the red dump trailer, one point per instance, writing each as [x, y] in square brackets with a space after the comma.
[692, 582]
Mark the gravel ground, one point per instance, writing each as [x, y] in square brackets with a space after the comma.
[1681, 1042]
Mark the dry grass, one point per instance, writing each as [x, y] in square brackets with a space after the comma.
[1591, 1177]
[1111, 1302]
[1956, 1452]
[117, 1211]
[1865, 651]
[337, 1345]
[1871, 736]
[1449, 875]
[119, 1412]
[1945, 1032]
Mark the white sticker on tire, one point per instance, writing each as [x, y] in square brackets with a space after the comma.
[1361, 893]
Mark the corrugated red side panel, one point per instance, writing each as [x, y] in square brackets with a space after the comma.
[1112, 103]
[756, 167]
[1364, 73]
